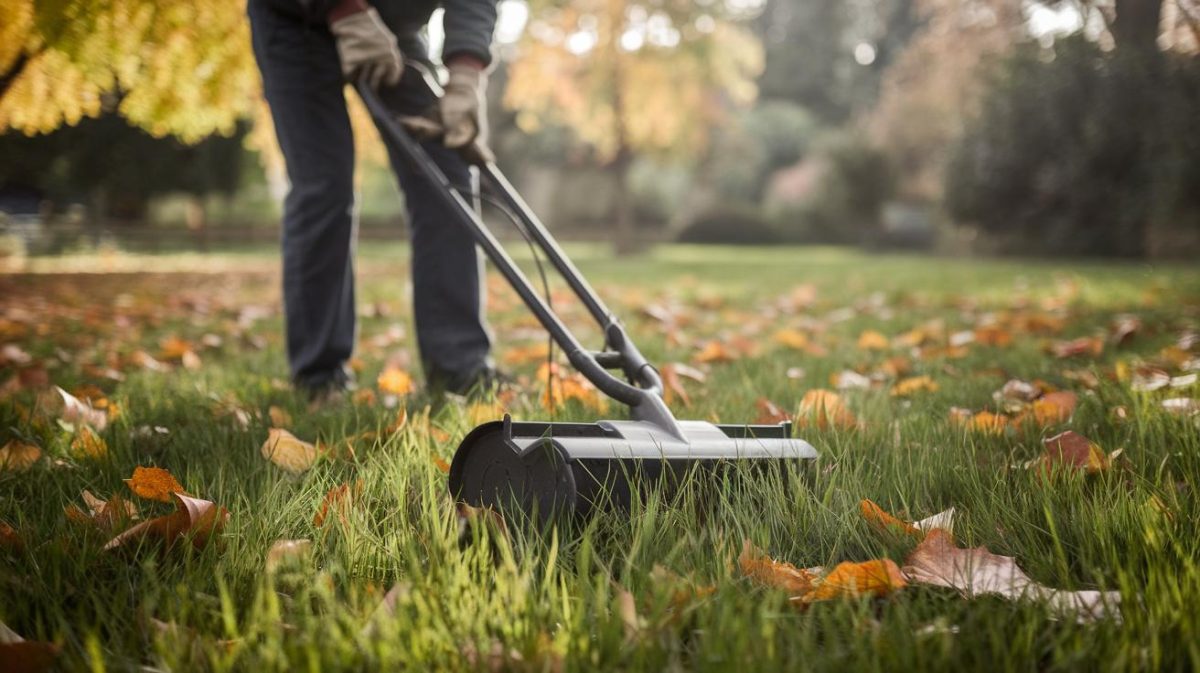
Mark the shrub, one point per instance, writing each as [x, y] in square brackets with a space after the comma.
[737, 225]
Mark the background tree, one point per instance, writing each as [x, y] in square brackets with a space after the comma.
[629, 77]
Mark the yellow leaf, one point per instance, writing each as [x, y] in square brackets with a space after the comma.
[715, 351]
[913, 385]
[871, 340]
[288, 452]
[18, 456]
[280, 417]
[881, 520]
[153, 483]
[824, 409]
[395, 381]
[284, 552]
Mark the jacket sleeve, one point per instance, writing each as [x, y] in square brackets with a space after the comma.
[469, 26]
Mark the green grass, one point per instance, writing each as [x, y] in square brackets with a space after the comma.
[547, 601]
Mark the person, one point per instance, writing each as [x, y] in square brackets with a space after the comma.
[307, 50]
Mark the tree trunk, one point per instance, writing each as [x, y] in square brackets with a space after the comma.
[1135, 26]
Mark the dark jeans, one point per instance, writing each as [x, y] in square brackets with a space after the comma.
[303, 84]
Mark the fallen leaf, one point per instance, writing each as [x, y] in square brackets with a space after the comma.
[987, 423]
[770, 413]
[913, 385]
[279, 416]
[338, 499]
[87, 444]
[879, 519]
[106, 515]
[1182, 406]
[848, 379]
[441, 464]
[627, 610]
[937, 561]
[288, 452]
[762, 569]
[75, 411]
[992, 335]
[394, 381]
[18, 456]
[1074, 451]
[1124, 328]
[1149, 379]
[879, 577]
[1091, 346]
[10, 538]
[153, 483]
[824, 409]
[201, 520]
[1054, 408]
[524, 355]
[18, 655]
[714, 352]
[871, 340]
[284, 552]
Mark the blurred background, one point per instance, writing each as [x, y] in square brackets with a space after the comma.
[955, 126]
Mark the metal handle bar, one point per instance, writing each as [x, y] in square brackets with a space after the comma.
[645, 396]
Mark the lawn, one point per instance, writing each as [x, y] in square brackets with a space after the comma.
[181, 358]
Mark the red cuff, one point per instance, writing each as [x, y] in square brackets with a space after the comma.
[345, 8]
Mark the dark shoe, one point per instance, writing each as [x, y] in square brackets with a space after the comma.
[486, 380]
[329, 391]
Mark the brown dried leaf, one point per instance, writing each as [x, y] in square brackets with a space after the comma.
[1089, 346]
[1074, 451]
[938, 562]
[18, 456]
[824, 409]
[198, 519]
[871, 340]
[913, 385]
[74, 410]
[770, 413]
[881, 520]
[283, 552]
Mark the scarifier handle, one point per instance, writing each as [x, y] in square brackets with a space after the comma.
[644, 396]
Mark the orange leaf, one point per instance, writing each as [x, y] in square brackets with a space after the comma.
[824, 409]
[18, 456]
[10, 538]
[524, 355]
[993, 335]
[881, 520]
[339, 499]
[768, 572]
[769, 413]
[987, 423]
[1053, 408]
[714, 351]
[441, 464]
[107, 515]
[199, 519]
[1092, 346]
[88, 444]
[280, 418]
[848, 580]
[394, 381]
[871, 340]
[153, 483]
[913, 385]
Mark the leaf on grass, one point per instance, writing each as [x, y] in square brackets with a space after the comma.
[672, 375]
[764, 570]
[714, 352]
[824, 409]
[18, 655]
[1073, 451]
[339, 500]
[627, 610]
[394, 381]
[1124, 329]
[683, 590]
[992, 335]
[18, 456]
[881, 520]
[470, 517]
[87, 444]
[878, 577]
[848, 379]
[10, 538]
[987, 423]
[770, 413]
[106, 515]
[1089, 346]
[871, 340]
[285, 552]
[153, 483]
[201, 520]
[1054, 408]
[287, 451]
[279, 416]
[1182, 406]
[913, 385]
[441, 464]
[938, 562]
[75, 411]
[525, 355]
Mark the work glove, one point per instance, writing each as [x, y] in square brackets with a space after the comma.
[367, 49]
[463, 112]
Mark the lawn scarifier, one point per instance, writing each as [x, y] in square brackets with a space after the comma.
[544, 468]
